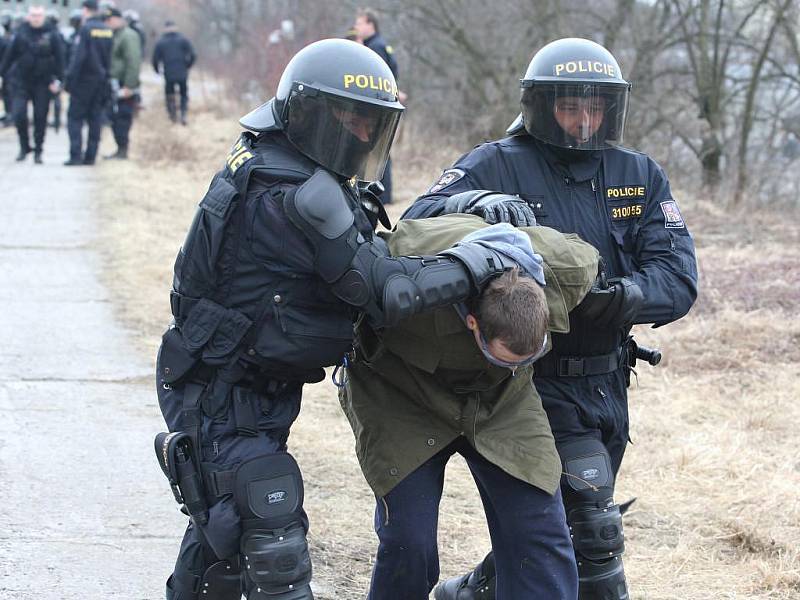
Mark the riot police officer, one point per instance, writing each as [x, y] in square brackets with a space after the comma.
[87, 81]
[278, 261]
[34, 62]
[563, 156]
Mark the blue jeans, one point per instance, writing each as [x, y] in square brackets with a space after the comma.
[532, 546]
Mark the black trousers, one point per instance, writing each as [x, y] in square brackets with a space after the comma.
[169, 90]
[222, 445]
[121, 117]
[85, 106]
[533, 550]
[40, 96]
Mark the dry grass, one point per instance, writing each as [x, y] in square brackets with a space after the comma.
[714, 462]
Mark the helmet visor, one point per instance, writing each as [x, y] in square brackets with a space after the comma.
[578, 116]
[347, 136]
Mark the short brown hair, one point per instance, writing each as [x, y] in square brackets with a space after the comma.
[370, 15]
[513, 309]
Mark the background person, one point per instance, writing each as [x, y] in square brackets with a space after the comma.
[173, 56]
[34, 61]
[88, 83]
[367, 31]
[126, 60]
[563, 157]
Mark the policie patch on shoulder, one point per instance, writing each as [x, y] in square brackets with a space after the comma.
[672, 216]
[449, 176]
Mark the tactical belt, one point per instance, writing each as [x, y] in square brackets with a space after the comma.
[553, 365]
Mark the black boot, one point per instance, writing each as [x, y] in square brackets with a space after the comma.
[73, 162]
[478, 585]
[37, 157]
[183, 117]
[23, 152]
[120, 154]
[172, 108]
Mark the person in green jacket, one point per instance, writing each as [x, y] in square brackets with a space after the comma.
[454, 381]
[126, 61]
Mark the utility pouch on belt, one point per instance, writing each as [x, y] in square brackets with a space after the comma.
[176, 360]
[245, 404]
[177, 457]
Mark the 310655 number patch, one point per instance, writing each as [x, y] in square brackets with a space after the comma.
[627, 212]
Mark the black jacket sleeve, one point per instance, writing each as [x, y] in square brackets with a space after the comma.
[157, 55]
[10, 55]
[665, 266]
[189, 53]
[59, 48]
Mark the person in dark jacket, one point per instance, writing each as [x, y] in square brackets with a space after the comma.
[35, 63]
[367, 31]
[563, 156]
[5, 88]
[88, 83]
[278, 262]
[173, 56]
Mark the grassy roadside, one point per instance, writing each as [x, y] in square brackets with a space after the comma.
[713, 462]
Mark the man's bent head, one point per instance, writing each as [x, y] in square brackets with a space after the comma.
[509, 320]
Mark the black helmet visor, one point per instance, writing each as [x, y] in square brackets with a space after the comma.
[580, 116]
[349, 136]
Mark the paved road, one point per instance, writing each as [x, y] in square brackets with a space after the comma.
[84, 511]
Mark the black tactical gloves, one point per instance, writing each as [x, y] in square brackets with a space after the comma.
[612, 303]
[492, 207]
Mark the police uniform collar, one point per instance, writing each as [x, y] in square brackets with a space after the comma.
[581, 165]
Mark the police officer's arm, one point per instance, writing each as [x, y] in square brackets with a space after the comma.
[58, 55]
[665, 266]
[80, 55]
[388, 56]
[469, 187]
[10, 55]
[362, 273]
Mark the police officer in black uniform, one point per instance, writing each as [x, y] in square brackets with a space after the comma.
[563, 157]
[279, 260]
[5, 42]
[34, 62]
[87, 81]
[367, 30]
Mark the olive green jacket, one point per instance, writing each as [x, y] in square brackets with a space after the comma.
[416, 387]
[126, 58]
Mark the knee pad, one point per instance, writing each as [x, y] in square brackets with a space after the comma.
[269, 496]
[595, 522]
[588, 477]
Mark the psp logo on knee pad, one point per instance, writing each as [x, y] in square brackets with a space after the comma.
[275, 497]
[590, 474]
